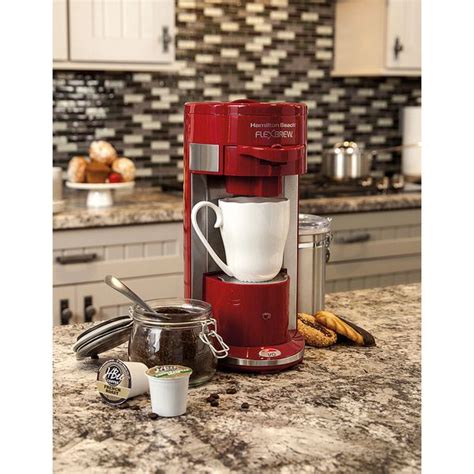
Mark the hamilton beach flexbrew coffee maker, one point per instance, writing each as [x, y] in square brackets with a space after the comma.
[248, 149]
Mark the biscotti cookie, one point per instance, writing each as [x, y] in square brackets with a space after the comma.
[345, 328]
[315, 334]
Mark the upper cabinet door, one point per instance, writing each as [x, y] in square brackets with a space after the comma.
[122, 30]
[60, 30]
[403, 34]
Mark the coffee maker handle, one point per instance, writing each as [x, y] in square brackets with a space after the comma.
[219, 222]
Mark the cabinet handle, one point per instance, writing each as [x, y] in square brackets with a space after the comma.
[352, 239]
[166, 39]
[397, 47]
[78, 258]
[89, 310]
[65, 312]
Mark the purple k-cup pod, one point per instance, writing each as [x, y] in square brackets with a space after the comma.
[117, 381]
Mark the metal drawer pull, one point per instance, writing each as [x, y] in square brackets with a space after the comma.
[79, 258]
[65, 312]
[352, 239]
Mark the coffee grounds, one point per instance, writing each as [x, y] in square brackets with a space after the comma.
[156, 346]
[215, 403]
[152, 416]
[231, 390]
[172, 310]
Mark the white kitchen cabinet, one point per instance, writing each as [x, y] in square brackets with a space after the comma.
[403, 49]
[122, 30]
[377, 38]
[60, 35]
[148, 258]
[136, 35]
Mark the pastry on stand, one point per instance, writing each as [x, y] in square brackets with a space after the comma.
[100, 174]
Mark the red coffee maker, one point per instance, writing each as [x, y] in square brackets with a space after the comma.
[245, 148]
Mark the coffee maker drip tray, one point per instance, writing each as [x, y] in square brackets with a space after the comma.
[282, 276]
[252, 318]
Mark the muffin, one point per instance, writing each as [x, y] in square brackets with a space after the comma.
[125, 167]
[102, 152]
[97, 172]
[76, 170]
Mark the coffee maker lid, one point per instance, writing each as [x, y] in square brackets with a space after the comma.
[246, 107]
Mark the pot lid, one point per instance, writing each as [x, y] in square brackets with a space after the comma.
[103, 336]
[312, 224]
[246, 107]
[346, 148]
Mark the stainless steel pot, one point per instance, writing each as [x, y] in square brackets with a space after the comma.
[346, 161]
[313, 254]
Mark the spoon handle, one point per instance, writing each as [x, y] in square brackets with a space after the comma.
[121, 287]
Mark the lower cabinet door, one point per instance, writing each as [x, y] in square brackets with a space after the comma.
[96, 301]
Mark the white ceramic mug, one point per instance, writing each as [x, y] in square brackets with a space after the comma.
[254, 232]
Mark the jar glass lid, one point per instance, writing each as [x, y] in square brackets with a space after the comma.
[312, 224]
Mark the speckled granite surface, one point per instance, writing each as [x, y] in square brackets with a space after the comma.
[345, 409]
[141, 206]
[145, 206]
[338, 205]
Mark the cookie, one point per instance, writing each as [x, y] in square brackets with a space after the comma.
[345, 328]
[315, 334]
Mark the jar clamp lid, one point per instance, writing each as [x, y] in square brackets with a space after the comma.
[103, 337]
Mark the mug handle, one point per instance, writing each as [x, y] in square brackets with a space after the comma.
[219, 222]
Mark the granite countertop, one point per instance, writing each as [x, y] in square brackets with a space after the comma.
[344, 409]
[147, 206]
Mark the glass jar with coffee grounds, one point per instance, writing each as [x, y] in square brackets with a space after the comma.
[182, 332]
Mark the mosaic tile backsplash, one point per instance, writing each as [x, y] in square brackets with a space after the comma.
[272, 50]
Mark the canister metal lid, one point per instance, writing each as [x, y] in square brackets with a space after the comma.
[310, 224]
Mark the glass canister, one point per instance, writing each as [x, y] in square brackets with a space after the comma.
[314, 238]
[182, 332]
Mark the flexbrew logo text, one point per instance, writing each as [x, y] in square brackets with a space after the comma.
[274, 134]
[275, 130]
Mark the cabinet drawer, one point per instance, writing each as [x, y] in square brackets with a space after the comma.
[126, 252]
[364, 236]
[381, 266]
[374, 248]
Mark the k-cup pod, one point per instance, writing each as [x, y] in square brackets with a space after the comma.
[117, 381]
[169, 389]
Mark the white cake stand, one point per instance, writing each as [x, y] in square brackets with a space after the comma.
[100, 194]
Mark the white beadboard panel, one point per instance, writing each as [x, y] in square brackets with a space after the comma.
[153, 249]
[114, 252]
[134, 250]
[170, 247]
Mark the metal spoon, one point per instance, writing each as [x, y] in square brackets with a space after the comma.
[121, 287]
